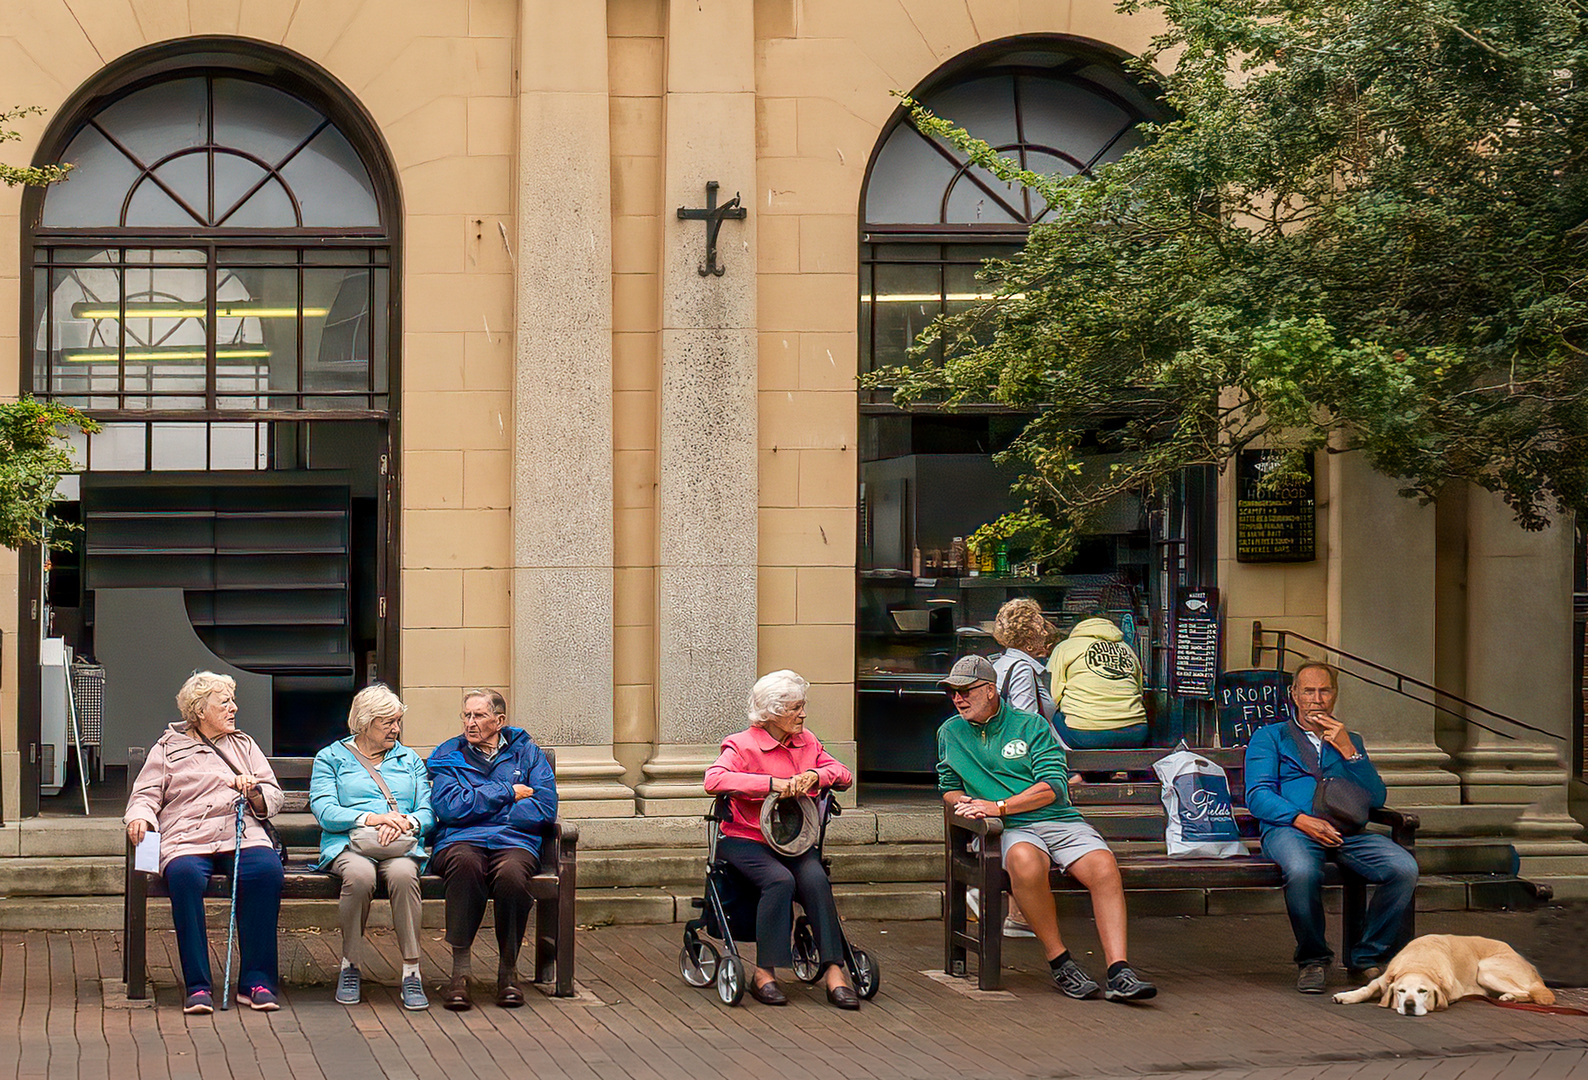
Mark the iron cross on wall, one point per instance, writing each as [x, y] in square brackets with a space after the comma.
[713, 216]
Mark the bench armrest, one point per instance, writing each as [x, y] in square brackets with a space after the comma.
[561, 845]
[1402, 825]
[952, 822]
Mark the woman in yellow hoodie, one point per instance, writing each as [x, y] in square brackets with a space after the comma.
[1097, 684]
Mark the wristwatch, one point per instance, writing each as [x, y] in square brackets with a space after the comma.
[1000, 808]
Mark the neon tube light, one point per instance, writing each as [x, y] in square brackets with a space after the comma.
[190, 311]
[155, 356]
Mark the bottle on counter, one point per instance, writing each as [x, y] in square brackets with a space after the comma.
[1001, 559]
[956, 556]
[915, 560]
[984, 558]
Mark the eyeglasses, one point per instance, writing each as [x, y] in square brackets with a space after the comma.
[479, 717]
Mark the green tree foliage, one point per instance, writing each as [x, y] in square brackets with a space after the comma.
[33, 451]
[1365, 232]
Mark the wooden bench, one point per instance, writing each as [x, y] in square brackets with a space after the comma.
[984, 870]
[552, 887]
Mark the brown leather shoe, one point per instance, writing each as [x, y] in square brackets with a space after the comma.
[843, 996]
[768, 993]
[455, 996]
[509, 996]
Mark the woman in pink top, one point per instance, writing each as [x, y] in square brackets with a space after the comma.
[775, 754]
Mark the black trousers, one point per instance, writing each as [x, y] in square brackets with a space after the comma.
[474, 875]
[780, 881]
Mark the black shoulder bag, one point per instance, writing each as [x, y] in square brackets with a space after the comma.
[1339, 800]
[270, 830]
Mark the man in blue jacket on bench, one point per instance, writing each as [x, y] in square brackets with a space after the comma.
[492, 791]
[1284, 763]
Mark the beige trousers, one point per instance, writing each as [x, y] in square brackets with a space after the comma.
[401, 877]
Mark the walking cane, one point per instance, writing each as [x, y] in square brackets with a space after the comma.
[231, 923]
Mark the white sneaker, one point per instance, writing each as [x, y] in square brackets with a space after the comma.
[973, 902]
[1014, 927]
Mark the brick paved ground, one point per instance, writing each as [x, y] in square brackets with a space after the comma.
[1228, 1010]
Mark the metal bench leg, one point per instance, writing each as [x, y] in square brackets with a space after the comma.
[565, 934]
[990, 929]
[546, 940]
[135, 937]
[1353, 912]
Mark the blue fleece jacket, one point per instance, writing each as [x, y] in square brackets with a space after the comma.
[1279, 786]
[341, 791]
[473, 797]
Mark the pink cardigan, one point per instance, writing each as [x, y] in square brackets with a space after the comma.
[749, 761]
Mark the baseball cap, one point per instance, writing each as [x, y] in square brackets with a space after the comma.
[968, 671]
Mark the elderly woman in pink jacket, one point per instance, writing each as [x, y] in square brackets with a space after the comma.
[776, 755]
[188, 791]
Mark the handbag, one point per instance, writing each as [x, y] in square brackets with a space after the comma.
[270, 830]
[1339, 800]
[365, 839]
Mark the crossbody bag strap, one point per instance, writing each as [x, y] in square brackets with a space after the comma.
[1304, 749]
[235, 770]
[374, 773]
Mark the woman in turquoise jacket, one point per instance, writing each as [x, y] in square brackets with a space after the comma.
[371, 796]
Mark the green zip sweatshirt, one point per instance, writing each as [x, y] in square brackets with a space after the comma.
[1002, 758]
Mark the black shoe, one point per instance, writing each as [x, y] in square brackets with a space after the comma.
[1363, 976]
[508, 995]
[1124, 985]
[1312, 978]
[843, 996]
[455, 996]
[768, 993]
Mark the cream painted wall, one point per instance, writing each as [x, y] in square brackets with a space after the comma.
[443, 96]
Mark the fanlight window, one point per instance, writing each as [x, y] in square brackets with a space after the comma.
[218, 247]
[1061, 117]
[212, 152]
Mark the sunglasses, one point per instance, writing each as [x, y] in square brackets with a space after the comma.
[962, 691]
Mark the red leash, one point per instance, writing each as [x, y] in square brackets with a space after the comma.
[1529, 1006]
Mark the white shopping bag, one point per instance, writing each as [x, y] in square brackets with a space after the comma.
[1196, 798]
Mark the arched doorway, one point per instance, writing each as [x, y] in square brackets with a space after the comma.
[928, 220]
[215, 283]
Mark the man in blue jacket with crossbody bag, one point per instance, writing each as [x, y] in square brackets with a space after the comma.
[1310, 784]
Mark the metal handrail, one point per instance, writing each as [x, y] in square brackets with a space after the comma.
[1281, 650]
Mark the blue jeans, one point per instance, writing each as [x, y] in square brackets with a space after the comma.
[1129, 737]
[258, 908]
[1384, 863]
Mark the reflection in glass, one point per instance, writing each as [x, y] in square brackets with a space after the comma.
[336, 344]
[256, 334]
[907, 299]
[331, 183]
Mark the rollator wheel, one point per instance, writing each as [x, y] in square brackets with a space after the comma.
[805, 960]
[867, 975]
[732, 978]
[697, 963]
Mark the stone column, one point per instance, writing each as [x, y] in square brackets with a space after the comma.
[562, 402]
[1519, 663]
[1381, 608]
[706, 577]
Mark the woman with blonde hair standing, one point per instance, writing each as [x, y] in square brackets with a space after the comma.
[371, 796]
[187, 791]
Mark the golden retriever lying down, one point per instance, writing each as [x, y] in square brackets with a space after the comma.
[1436, 969]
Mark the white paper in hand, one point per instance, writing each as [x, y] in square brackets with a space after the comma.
[146, 856]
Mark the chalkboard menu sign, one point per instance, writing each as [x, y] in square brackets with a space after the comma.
[1195, 635]
[1248, 700]
[1273, 524]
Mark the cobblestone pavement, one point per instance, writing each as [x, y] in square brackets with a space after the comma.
[1227, 1011]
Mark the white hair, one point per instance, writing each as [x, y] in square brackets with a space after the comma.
[777, 693]
[375, 702]
[194, 697]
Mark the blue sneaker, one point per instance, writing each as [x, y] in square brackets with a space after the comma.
[347, 985]
[413, 994]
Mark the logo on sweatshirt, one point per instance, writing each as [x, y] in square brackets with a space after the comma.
[1015, 748]
[1111, 660]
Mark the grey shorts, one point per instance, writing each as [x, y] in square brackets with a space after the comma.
[1064, 841]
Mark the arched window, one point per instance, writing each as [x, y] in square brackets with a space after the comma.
[930, 217]
[220, 250]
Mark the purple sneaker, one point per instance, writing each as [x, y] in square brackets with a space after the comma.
[199, 1003]
[259, 998]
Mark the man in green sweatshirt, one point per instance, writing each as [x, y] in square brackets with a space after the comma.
[995, 761]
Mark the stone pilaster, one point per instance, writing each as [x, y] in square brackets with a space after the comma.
[1381, 608]
[562, 401]
[1519, 663]
[707, 469]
